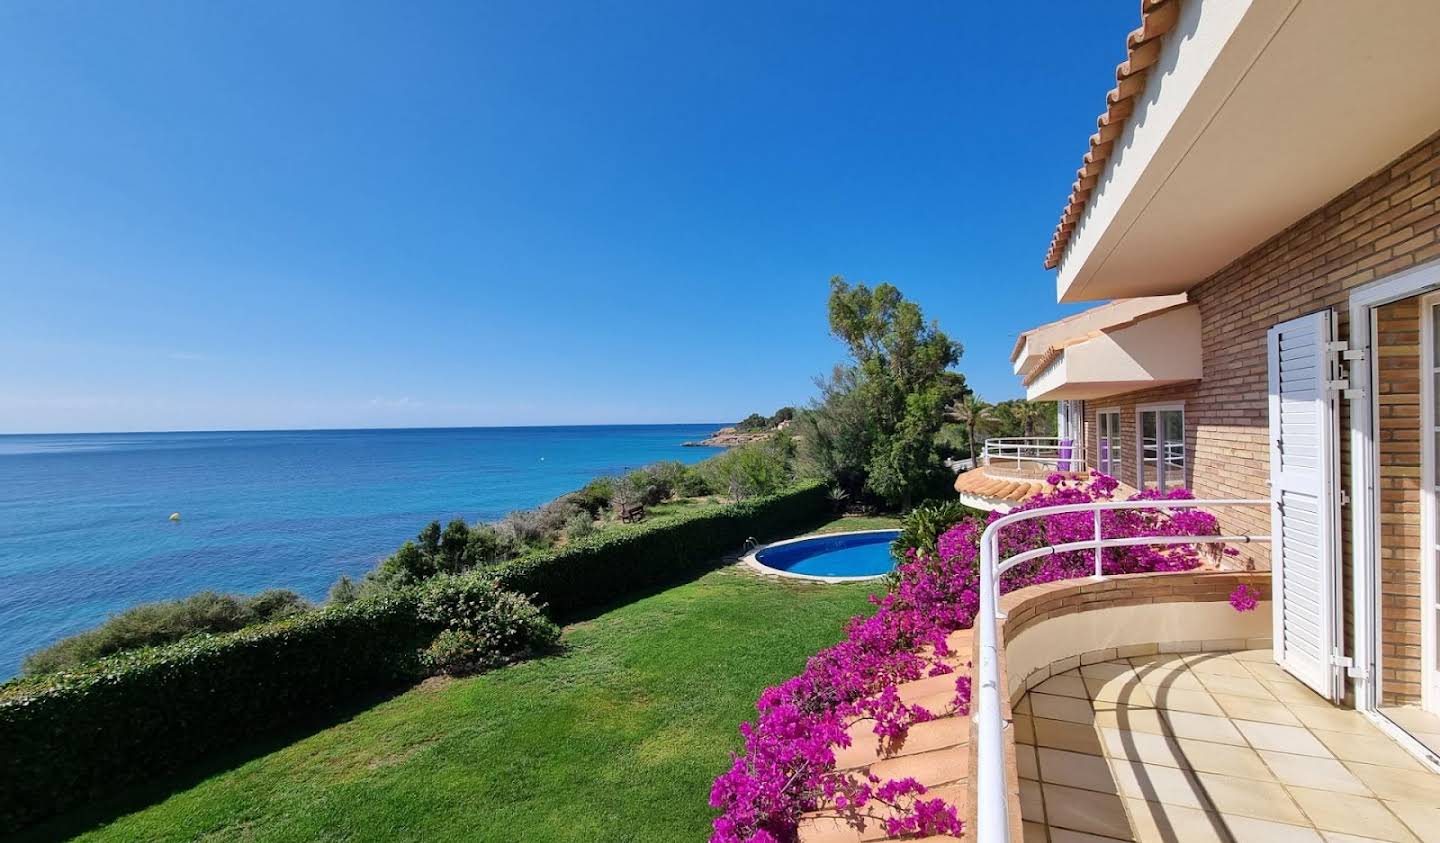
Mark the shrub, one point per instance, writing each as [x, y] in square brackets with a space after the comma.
[753, 470]
[72, 736]
[692, 484]
[343, 592]
[522, 528]
[151, 624]
[450, 555]
[556, 514]
[429, 540]
[595, 497]
[482, 625]
[406, 566]
[628, 491]
[485, 546]
[579, 526]
[274, 604]
[922, 525]
[596, 570]
[661, 481]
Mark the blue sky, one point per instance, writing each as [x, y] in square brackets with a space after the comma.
[263, 215]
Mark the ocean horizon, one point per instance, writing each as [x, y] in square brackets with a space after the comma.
[85, 527]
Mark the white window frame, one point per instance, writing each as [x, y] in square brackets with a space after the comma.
[1365, 508]
[1429, 509]
[1117, 454]
[1141, 409]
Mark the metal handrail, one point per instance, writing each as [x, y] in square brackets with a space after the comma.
[1044, 450]
[992, 810]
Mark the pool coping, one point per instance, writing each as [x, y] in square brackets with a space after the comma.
[751, 560]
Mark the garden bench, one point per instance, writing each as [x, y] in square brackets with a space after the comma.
[632, 513]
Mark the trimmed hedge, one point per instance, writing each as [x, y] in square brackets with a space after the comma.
[79, 734]
[599, 569]
[71, 736]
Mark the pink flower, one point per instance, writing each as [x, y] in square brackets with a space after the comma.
[787, 767]
[1244, 598]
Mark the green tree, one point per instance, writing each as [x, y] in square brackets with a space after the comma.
[451, 554]
[975, 415]
[759, 468]
[891, 406]
[1019, 417]
[408, 564]
[343, 592]
[484, 546]
[837, 431]
[429, 540]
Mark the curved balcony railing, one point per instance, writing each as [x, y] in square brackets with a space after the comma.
[1031, 456]
[992, 812]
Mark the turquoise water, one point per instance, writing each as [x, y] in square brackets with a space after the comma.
[853, 555]
[85, 529]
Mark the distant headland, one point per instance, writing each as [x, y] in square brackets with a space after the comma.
[754, 428]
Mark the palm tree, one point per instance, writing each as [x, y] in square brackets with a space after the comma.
[1030, 414]
[975, 415]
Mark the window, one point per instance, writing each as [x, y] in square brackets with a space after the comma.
[1161, 437]
[1109, 444]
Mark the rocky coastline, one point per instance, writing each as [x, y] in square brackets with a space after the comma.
[730, 437]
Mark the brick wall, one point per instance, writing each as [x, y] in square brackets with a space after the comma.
[1387, 223]
[1384, 224]
[1035, 604]
[1397, 354]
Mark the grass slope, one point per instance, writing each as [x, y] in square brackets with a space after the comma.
[616, 738]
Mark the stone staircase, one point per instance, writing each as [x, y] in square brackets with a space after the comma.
[935, 753]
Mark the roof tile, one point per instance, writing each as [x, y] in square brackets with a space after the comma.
[1157, 17]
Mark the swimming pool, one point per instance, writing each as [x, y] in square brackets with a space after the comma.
[837, 557]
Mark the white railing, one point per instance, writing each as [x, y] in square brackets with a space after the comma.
[1035, 454]
[992, 813]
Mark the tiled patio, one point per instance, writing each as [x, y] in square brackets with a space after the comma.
[1423, 726]
[1210, 747]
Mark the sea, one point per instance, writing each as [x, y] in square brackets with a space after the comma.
[86, 528]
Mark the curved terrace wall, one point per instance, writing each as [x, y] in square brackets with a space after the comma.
[1054, 627]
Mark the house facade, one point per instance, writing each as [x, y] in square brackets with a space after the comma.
[1263, 206]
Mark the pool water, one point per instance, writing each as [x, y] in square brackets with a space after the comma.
[864, 554]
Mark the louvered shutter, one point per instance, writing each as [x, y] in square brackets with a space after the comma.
[1304, 453]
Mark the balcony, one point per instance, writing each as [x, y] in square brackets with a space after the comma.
[1031, 457]
[1134, 707]
[1158, 348]
[1013, 469]
[1144, 707]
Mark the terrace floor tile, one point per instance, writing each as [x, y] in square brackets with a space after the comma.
[1181, 747]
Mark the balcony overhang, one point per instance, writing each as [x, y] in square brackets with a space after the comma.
[1253, 115]
[1034, 347]
[1157, 350]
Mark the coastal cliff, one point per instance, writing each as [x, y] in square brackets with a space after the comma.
[732, 436]
[729, 437]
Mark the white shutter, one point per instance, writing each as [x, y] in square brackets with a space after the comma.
[1304, 453]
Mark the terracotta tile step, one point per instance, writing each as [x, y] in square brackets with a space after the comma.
[868, 748]
[824, 828]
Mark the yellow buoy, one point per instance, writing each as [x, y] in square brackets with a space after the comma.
[174, 516]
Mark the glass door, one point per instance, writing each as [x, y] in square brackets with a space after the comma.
[1109, 443]
[1161, 447]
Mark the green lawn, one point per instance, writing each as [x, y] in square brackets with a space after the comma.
[616, 738]
[859, 522]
